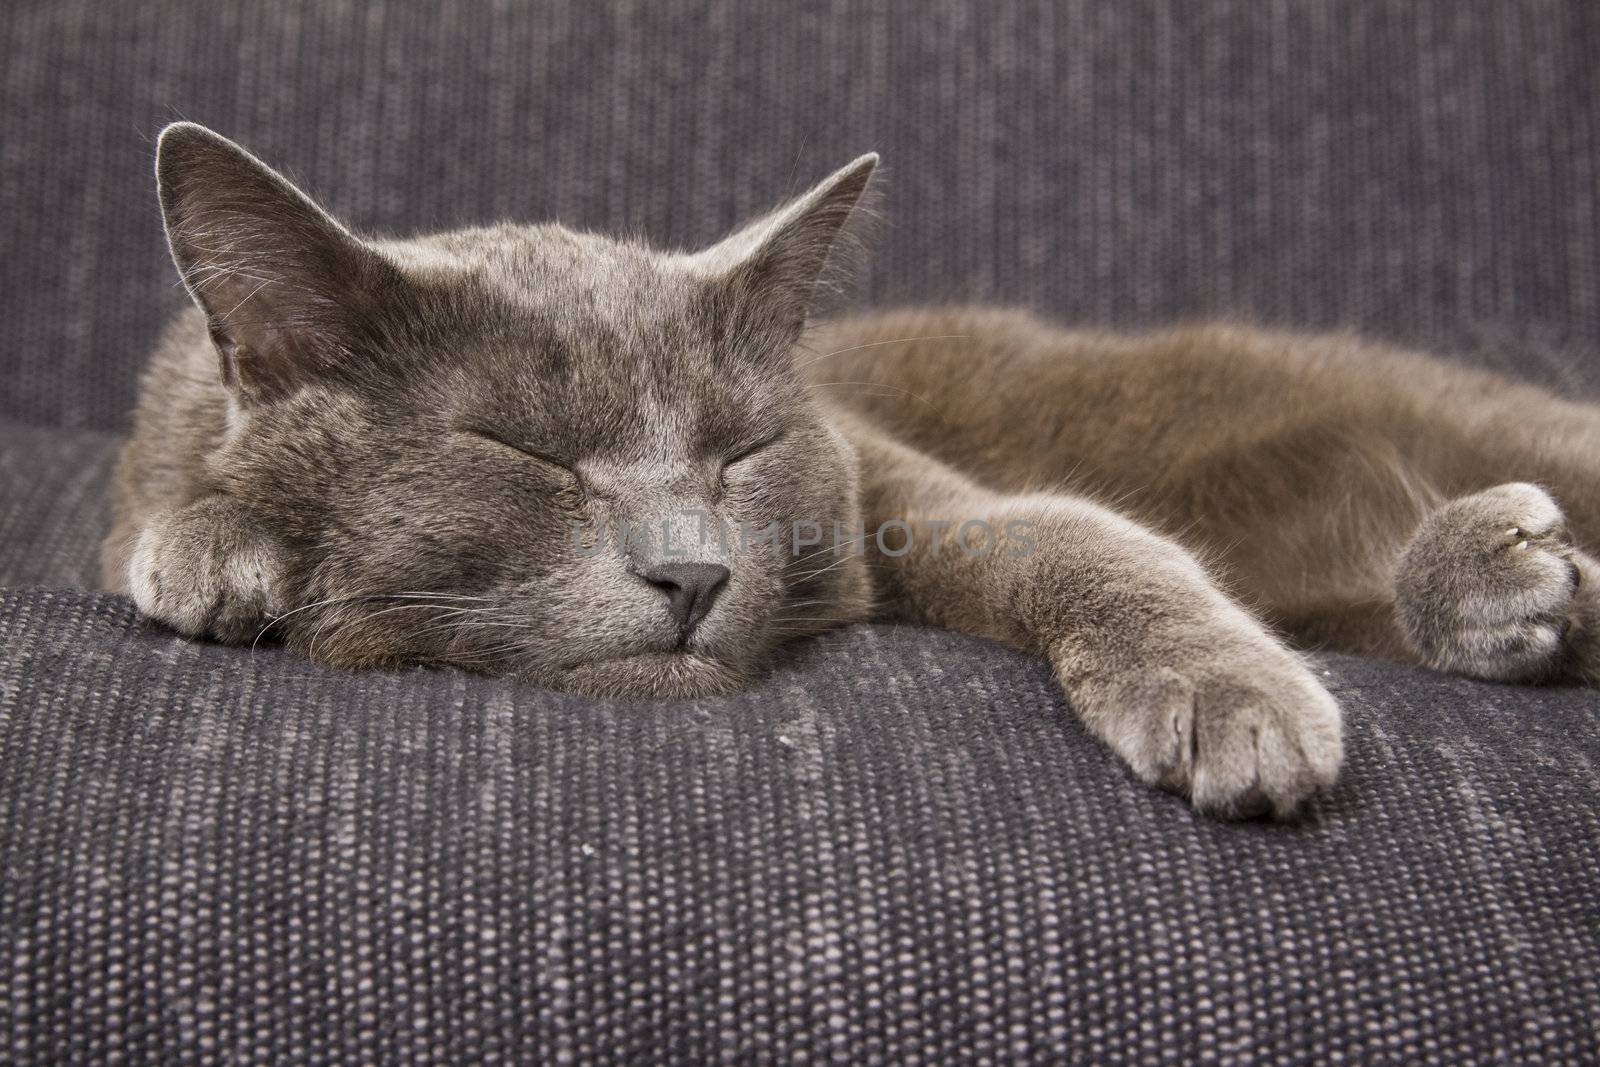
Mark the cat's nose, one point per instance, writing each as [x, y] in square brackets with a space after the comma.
[690, 588]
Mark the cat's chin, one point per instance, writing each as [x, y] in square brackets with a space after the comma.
[646, 676]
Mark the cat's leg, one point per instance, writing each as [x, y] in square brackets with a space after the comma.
[1490, 586]
[207, 571]
[1195, 694]
[1189, 689]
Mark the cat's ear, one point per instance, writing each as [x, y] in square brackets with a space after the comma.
[779, 261]
[288, 292]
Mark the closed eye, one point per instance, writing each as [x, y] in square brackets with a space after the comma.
[551, 466]
[751, 451]
[732, 464]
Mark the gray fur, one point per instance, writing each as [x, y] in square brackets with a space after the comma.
[1354, 496]
[378, 449]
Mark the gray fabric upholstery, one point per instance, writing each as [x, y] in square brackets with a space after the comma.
[899, 847]
[54, 506]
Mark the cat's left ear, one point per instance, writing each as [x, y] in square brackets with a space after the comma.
[778, 261]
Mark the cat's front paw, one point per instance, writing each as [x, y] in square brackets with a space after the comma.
[1488, 584]
[1241, 728]
[205, 572]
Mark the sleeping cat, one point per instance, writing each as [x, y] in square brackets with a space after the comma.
[420, 451]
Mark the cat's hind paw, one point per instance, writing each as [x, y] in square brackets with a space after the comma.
[1488, 586]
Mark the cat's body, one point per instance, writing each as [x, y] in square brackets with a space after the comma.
[1299, 467]
[380, 452]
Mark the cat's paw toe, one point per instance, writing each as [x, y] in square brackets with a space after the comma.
[1239, 744]
[1487, 585]
[1528, 511]
[1263, 749]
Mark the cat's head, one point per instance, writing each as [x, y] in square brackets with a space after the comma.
[448, 434]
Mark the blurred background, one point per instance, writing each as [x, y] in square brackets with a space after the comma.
[1419, 169]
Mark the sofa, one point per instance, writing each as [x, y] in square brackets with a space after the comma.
[899, 847]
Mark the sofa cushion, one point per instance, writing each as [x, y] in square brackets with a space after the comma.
[897, 848]
[54, 505]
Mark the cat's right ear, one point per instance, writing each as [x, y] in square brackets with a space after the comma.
[289, 294]
[777, 262]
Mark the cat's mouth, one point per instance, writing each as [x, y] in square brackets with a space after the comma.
[660, 656]
[673, 673]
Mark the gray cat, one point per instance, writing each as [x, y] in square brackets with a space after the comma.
[605, 467]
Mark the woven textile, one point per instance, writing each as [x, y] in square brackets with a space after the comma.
[54, 506]
[898, 849]
[1410, 167]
